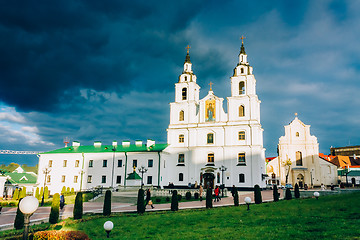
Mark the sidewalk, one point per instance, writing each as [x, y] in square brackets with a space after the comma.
[41, 215]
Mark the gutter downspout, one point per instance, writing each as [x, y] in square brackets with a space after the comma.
[82, 171]
[159, 171]
[125, 169]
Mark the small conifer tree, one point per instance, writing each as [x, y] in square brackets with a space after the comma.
[297, 191]
[55, 209]
[78, 207]
[72, 191]
[37, 194]
[68, 191]
[275, 194]
[209, 198]
[41, 193]
[257, 194]
[107, 203]
[22, 193]
[16, 194]
[174, 201]
[19, 219]
[236, 198]
[46, 193]
[63, 190]
[140, 202]
[188, 195]
[288, 195]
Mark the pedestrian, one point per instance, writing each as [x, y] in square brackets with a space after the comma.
[217, 194]
[201, 192]
[148, 199]
[196, 185]
[233, 191]
[62, 201]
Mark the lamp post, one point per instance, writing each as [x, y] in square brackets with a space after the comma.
[222, 169]
[46, 171]
[316, 194]
[28, 206]
[81, 172]
[142, 170]
[248, 201]
[108, 226]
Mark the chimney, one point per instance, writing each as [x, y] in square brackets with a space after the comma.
[138, 143]
[114, 143]
[97, 144]
[126, 143]
[76, 144]
[150, 142]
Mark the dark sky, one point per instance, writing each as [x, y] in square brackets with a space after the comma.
[105, 70]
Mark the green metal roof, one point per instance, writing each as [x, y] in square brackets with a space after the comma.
[354, 174]
[22, 178]
[109, 148]
[133, 176]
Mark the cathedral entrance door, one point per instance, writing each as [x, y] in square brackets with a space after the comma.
[300, 179]
[208, 180]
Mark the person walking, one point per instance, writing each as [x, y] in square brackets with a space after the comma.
[217, 194]
[148, 199]
[62, 201]
[201, 192]
[233, 190]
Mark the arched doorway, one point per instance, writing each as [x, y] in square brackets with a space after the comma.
[300, 180]
[353, 181]
[208, 180]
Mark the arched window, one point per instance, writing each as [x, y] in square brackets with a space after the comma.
[241, 158]
[242, 70]
[181, 138]
[299, 158]
[185, 78]
[210, 158]
[241, 88]
[184, 93]
[181, 115]
[181, 177]
[241, 178]
[297, 134]
[210, 138]
[242, 135]
[241, 111]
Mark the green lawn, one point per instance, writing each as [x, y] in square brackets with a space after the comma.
[330, 217]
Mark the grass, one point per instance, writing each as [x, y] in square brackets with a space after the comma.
[330, 217]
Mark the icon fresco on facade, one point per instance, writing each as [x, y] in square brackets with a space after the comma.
[210, 110]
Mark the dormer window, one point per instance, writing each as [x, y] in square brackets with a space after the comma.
[297, 134]
[241, 88]
[184, 93]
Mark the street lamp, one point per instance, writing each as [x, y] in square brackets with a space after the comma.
[28, 206]
[222, 169]
[316, 194]
[108, 226]
[46, 171]
[142, 170]
[248, 201]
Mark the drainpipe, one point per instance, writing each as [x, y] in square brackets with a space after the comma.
[159, 171]
[82, 171]
[125, 169]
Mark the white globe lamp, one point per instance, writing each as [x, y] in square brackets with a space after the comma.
[316, 194]
[108, 226]
[28, 206]
[248, 201]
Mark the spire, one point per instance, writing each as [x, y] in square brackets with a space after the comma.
[187, 58]
[242, 49]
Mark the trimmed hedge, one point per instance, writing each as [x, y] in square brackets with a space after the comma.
[209, 198]
[107, 203]
[78, 207]
[55, 209]
[140, 201]
[297, 191]
[196, 195]
[236, 198]
[175, 201]
[288, 195]
[188, 195]
[19, 219]
[257, 194]
[63, 235]
[275, 194]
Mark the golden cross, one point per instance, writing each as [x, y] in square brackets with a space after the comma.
[188, 47]
[134, 168]
[242, 39]
[210, 86]
[296, 114]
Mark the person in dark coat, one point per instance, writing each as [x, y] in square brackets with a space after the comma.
[62, 201]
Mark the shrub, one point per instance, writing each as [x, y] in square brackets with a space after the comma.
[167, 199]
[257, 194]
[275, 194]
[158, 200]
[19, 219]
[46, 193]
[22, 193]
[78, 207]
[72, 191]
[179, 197]
[16, 194]
[64, 235]
[107, 203]
[12, 204]
[41, 193]
[209, 198]
[140, 202]
[297, 191]
[55, 208]
[63, 190]
[288, 195]
[188, 195]
[174, 201]
[196, 195]
[37, 193]
[236, 198]
[68, 191]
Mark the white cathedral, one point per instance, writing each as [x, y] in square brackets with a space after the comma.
[205, 145]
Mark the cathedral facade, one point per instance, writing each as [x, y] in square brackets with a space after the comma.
[205, 145]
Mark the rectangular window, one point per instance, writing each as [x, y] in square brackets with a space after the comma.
[103, 179]
[150, 163]
[63, 178]
[210, 158]
[149, 179]
[134, 163]
[242, 135]
[181, 138]
[181, 159]
[91, 163]
[89, 179]
[48, 178]
[50, 163]
[104, 163]
[181, 177]
[210, 138]
[75, 179]
[241, 159]
[120, 163]
[77, 162]
[118, 179]
[241, 178]
[64, 163]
